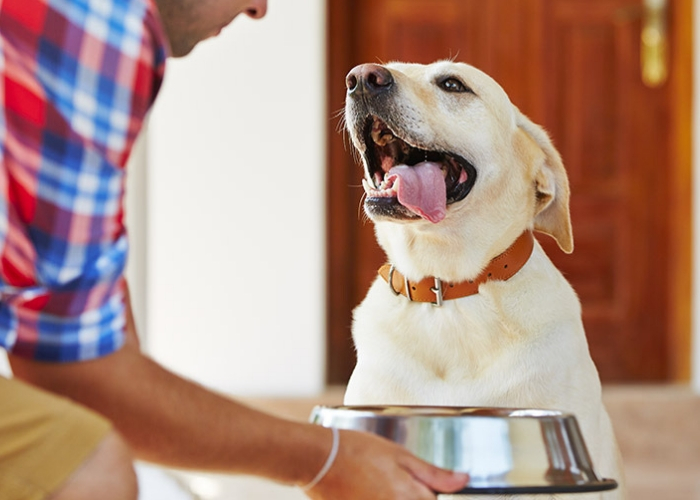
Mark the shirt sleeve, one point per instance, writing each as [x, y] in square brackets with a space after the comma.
[77, 79]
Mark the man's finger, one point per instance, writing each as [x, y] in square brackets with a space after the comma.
[435, 478]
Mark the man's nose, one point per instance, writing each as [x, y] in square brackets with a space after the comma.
[256, 9]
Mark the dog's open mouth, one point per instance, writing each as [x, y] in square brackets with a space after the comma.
[402, 176]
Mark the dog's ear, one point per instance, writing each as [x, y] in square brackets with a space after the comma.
[551, 188]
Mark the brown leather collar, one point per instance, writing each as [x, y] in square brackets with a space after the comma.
[434, 290]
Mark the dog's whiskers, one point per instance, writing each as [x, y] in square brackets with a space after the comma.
[342, 128]
[411, 240]
[342, 122]
[355, 153]
[361, 214]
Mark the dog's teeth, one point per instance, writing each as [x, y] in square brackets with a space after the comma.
[387, 139]
[380, 188]
[382, 137]
[386, 183]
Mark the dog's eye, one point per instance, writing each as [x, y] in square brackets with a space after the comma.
[451, 84]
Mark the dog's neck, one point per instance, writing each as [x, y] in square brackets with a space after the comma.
[435, 290]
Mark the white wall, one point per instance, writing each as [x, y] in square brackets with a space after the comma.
[137, 226]
[236, 204]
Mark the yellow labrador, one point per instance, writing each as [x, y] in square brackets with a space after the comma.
[469, 311]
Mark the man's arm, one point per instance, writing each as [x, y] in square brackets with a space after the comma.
[169, 420]
[172, 421]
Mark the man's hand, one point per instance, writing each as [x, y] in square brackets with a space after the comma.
[368, 466]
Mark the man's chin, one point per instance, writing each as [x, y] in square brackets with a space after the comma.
[182, 51]
[182, 47]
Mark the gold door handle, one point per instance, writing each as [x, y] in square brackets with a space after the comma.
[654, 50]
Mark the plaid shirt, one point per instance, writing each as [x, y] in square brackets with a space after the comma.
[76, 80]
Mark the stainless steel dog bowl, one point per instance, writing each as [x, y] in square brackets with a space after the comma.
[505, 451]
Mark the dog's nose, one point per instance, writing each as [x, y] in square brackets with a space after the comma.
[368, 79]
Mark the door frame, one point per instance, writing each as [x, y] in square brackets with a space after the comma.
[681, 192]
[340, 58]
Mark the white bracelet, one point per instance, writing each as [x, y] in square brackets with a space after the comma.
[329, 461]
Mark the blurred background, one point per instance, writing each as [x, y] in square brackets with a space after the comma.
[250, 250]
[249, 246]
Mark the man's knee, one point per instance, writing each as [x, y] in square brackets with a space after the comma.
[108, 474]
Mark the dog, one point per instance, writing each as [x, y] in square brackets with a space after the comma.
[469, 311]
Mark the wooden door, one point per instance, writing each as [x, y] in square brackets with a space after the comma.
[574, 67]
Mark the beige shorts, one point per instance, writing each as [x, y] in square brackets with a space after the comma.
[43, 440]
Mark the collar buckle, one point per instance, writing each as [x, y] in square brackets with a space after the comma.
[439, 294]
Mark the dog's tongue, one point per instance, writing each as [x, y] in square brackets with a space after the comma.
[421, 189]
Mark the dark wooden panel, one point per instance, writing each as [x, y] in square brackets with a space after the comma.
[612, 133]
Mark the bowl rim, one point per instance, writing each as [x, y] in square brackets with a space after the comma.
[434, 411]
[588, 487]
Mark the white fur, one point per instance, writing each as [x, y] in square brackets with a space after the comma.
[518, 343]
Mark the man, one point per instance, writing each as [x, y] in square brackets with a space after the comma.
[78, 77]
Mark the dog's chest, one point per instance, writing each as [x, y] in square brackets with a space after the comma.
[451, 342]
[465, 352]
[434, 355]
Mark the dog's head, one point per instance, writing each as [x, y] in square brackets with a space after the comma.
[444, 150]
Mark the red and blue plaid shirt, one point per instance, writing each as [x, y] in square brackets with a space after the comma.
[76, 80]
